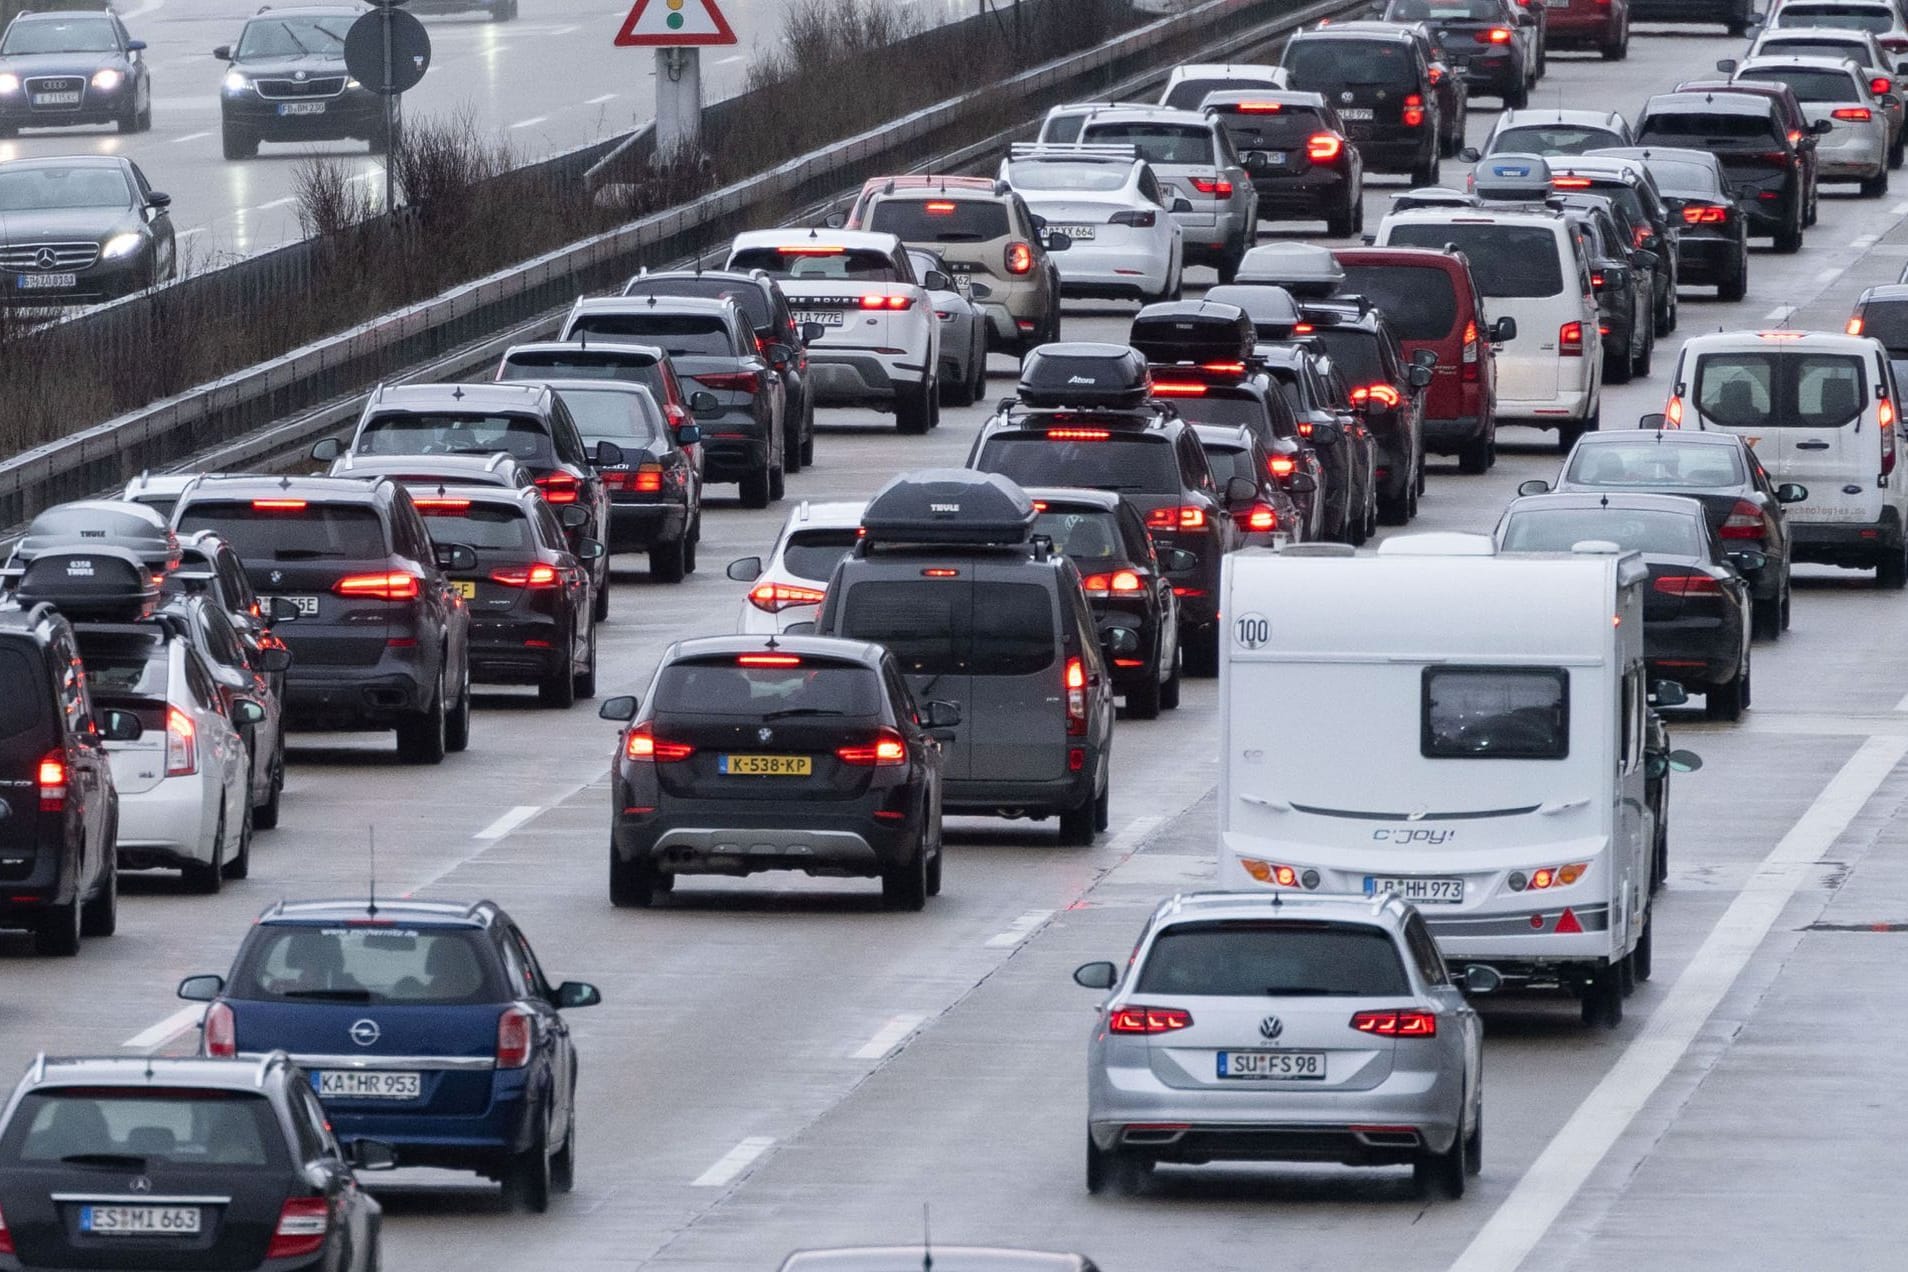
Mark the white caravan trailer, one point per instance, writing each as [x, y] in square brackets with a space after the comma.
[1479, 750]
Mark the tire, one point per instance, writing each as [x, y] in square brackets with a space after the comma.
[99, 914]
[631, 883]
[129, 122]
[905, 887]
[669, 562]
[1444, 1171]
[1789, 241]
[239, 866]
[1518, 98]
[958, 392]
[1898, 151]
[1076, 825]
[1617, 368]
[1169, 691]
[1567, 435]
[1603, 999]
[584, 682]
[1200, 652]
[563, 1165]
[1643, 957]
[1766, 623]
[1891, 572]
[1111, 1171]
[754, 490]
[1659, 867]
[1726, 702]
[978, 389]
[420, 739]
[1103, 808]
[558, 689]
[1394, 510]
[1788, 599]
[1343, 223]
[1474, 1146]
[777, 484]
[1426, 174]
[1616, 52]
[599, 603]
[1640, 365]
[791, 452]
[1737, 286]
[1474, 456]
[808, 435]
[1874, 187]
[144, 123]
[57, 934]
[457, 721]
[237, 143]
[206, 878]
[265, 816]
[526, 1181]
[1143, 702]
[914, 410]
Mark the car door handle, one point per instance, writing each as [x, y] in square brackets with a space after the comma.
[1811, 445]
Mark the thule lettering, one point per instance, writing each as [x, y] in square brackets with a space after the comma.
[947, 508]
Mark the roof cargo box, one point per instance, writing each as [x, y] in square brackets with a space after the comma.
[949, 505]
[1198, 331]
[1106, 376]
[1512, 178]
[1270, 309]
[107, 584]
[104, 523]
[1306, 271]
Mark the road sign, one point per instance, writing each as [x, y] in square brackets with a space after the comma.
[674, 23]
[410, 51]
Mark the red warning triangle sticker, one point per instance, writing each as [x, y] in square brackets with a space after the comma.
[666, 23]
[1568, 923]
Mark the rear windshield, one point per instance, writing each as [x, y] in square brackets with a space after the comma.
[132, 1128]
[1509, 713]
[817, 264]
[752, 300]
[124, 664]
[1509, 261]
[1085, 534]
[1158, 143]
[1887, 321]
[1260, 959]
[1228, 462]
[305, 533]
[1419, 302]
[1444, 11]
[1771, 390]
[1355, 352]
[1188, 94]
[1632, 529]
[1848, 46]
[23, 696]
[493, 526]
[944, 627]
[1552, 139]
[1283, 129]
[1142, 464]
[1319, 64]
[1684, 178]
[580, 365]
[814, 554]
[1087, 178]
[679, 335]
[1841, 17]
[1646, 464]
[940, 220]
[444, 433]
[721, 687]
[612, 415]
[1704, 130]
[1810, 85]
[365, 964]
[1233, 411]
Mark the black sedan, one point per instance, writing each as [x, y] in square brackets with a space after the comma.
[1720, 471]
[1696, 611]
[1713, 246]
[81, 228]
[805, 753]
[655, 488]
[64, 68]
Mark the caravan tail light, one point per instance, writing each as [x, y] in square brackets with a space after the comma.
[1184, 517]
[885, 750]
[1147, 1020]
[1545, 877]
[1743, 522]
[1076, 697]
[53, 782]
[776, 597]
[642, 745]
[182, 744]
[1570, 340]
[1323, 147]
[1397, 1024]
[221, 1031]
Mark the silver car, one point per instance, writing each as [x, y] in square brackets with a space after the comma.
[1193, 155]
[1298, 1027]
[963, 326]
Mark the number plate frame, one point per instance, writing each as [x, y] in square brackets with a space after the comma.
[68, 98]
[1419, 889]
[1289, 1062]
[120, 1221]
[765, 765]
[301, 108]
[1355, 114]
[1078, 233]
[307, 606]
[826, 317]
[46, 282]
[367, 1084]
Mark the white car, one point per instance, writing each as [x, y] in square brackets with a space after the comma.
[1834, 90]
[788, 588]
[881, 343]
[1187, 86]
[1121, 239]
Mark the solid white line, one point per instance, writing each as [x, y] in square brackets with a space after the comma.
[534, 119]
[733, 1162]
[886, 1037]
[1020, 929]
[168, 1029]
[1523, 1218]
[190, 137]
[598, 101]
[563, 30]
[509, 822]
[1900, 209]
[1865, 241]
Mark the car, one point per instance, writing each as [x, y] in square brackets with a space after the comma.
[1646, 222]
[1712, 247]
[1795, 126]
[1192, 155]
[382, 637]
[1880, 18]
[1492, 47]
[1122, 242]
[81, 228]
[1269, 517]
[1302, 164]
[247, 665]
[288, 82]
[1189, 84]
[1061, 125]
[1381, 81]
[1736, 15]
[1720, 471]
[888, 355]
[1878, 67]
[1346, 451]
[1696, 609]
[64, 68]
[985, 234]
[798, 753]
[530, 422]
[426, 1027]
[1444, 69]
[963, 373]
[1603, 25]
[1623, 284]
[152, 1161]
[1535, 131]
[210, 566]
[529, 589]
[1881, 313]
[949, 1258]
[656, 489]
[646, 365]
[495, 10]
[1290, 1027]
[495, 468]
[788, 584]
[1124, 576]
[1856, 144]
[1747, 134]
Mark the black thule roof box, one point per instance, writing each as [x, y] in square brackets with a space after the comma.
[1195, 331]
[1271, 309]
[104, 584]
[949, 505]
[1091, 376]
[102, 523]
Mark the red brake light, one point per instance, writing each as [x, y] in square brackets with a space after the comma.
[1596, 279]
[940, 208]
[1496, 35]
[940, 572]
[811, 251]
[1397, 1024]
[437, 507]
[1077, 434]
[1673, 413]
[1853, 326]
[1147, 1020]
[1177, 388]
[1258, 108]
[1184, 517]
[1120, 582]
[776, 597]
[182, 745]
[53, 782]
[733, 381]
[1302, 329]
[221, 1031]
[1880, 84]
[768, 660]
[1744, 522]
[1570, 340]
[1020, 258]
[278, 505]
[1704, 214]
[559, 488]
[393, 585]
[514, 1032]
[534, 576]
[1076, 697]
[886, 750]
[643, 744]
[1263, 517]
[1217, 186]
[1857, 114]
[1323, 146]
[1281, 465]
[1571, 183]
[647, 480]
[302, 1224]
[1687, 585]
[1413, 110]
[1383, 394]
[875, 300]
[6, 1238]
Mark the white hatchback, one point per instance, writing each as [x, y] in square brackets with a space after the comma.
[787, 588]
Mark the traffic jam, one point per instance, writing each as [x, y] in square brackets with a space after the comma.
[1313, 530]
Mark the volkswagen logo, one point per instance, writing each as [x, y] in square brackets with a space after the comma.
[1270, 1028]
[1345, 97]
[365, 1032]
[139, 1184]
[45, 258]
[764, 734]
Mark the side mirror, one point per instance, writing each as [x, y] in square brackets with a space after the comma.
[1177, 561]
[688, 434]
[135, 46]
[1426, 358]
[812, 331]
[1096, 975]
[1504, 330]
[1748, 558]
[1535, 486]
[1477, 979]
[778, 353]
[283, 610]
[1788, 492]
[245, 711]
[1668, 693]
[704, 403]
[1418, 377]
[455, 556]
[607, 455]
[370, 1154]
[275, 660]
[1301, 483]
[1822, 127]
[223, 52]
[981, 291]
[940, 715]
[201, 989]
[326, 449]
[1326, 435]
[121, 726]
[621, 708]
[1727, 65]
[1471, 154]
[1656, 419]
[1645, 259]
[1059, 240]
[591, 549]
[1119, 640]
[935, 280]
[1181, 204]
[577, 994]
[1684, 761]
[835, 220]
[745, 570]
[574, 516]
[1241, 490]
[158, 202]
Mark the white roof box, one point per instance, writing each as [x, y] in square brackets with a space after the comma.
[1512, 178]
[1441, 543]
[1304, 269]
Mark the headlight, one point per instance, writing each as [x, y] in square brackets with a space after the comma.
[9, 82]
[107, 79]
[351, 84]
[121, 245]
[236, 83]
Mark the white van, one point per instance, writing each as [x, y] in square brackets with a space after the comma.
[1485, 761]
[1822, 410]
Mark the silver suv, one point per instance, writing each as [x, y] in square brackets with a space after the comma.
[1296, 1027]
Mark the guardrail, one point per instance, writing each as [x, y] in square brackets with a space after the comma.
[266, 411]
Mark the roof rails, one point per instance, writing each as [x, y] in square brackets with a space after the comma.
[1071, 150]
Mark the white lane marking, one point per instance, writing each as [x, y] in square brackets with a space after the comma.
[508, 822]
[733, 1162]
[197, 229]
[166, 1030]
[1865, 242]
[1133, 835]
[1019, 930]
[191, 137]
[151, 6]
[598, 101]
[1778, 313]
[888, 1037]
[1522, 1219]
[1903, 704]
[1899, 209]
[563, 30]
[533, 120]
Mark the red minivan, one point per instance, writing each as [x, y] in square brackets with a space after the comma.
[1603, 25]
[1432, 303]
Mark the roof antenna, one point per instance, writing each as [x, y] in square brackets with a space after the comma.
[371, 906]
[771, 641]
[927, 1241]
[1604, 502]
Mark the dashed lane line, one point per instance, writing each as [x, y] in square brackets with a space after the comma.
[889, 1036]
[734, 1162]
[158, 1035]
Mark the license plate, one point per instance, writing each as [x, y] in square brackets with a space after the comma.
[1273, 1066]
[466, 588]
[47, 282]
[1272, 158]
[1557, 4]
[765, 765]
[140, 1221]
[1419, 891]
[367, 1084]
[1076, 232]
[1355, 114]
[826, 317]
[307, 606]
[301, 108]
[56, 99]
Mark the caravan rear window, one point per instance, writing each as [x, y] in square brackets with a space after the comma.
[1496, 713]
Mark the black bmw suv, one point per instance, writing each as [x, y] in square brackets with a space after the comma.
[64, 68]
[288, 82]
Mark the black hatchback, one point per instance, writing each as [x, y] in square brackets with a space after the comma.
[1303, 164]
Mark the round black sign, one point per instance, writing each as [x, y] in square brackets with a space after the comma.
[410, 51]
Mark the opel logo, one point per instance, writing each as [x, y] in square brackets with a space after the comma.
[764, 734]
[140, 1184]
[1270, 1028]
[45, 258]
[365, 1032]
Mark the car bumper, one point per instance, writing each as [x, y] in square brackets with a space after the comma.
[1695, 651]
[708, 837]
[102, 280]
[1571, 407]
[1111, 273]
[1707, 259]
[96, 107]
[849, 378]
[733, 448]
[636, 526]
[1035, 798]
[354, 698]
[520, 650]
[1213, 236]
[355, 114]
[1851, 157]
[1858, 544]
[1308, 194]
[165, 826]
[479, 1140]
[1443, 437]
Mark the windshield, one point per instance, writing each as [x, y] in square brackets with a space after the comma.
[493, 527]
[753, 301]
[1810, 85]
[722, 688]
[679, 335]
[818, 264]
[44, 189]
[454, 433]
[613, 415]
[1419, 302]
[1645, 464]
[1260, 959]
[1684, 178]
[130, 1128]
[1207, 408]
[931, 220]
[63, 35]
[1848, 46]
[1839, 16]
[1323, 64]
[1172, 144]
[1507, 261]
[267, 38]
[300, 532]
[814, 554]
[1139, 463]
[1052, 174]
[370, 963]
[1553, 139]
[1632, 529]
[1286, 128]
[1227, 462]
[1085, 534]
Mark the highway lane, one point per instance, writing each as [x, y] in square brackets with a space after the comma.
[780, 1062]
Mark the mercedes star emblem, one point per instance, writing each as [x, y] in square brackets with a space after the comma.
[1270, 1028]
[140, 1184]
[365, 1032]
[764, 733]
[45, 258]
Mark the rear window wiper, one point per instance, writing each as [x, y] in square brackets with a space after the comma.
[129, 1161]
[786, 712]
[336, 995]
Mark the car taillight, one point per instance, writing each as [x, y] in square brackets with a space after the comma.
[221, 1031]
[1184, 517]
[776, 597]
[1894, 43]
[1383, 394]
[1854, 114]
[6, 1238]
[1435, 74]
[559, 488]
[1687, 585]
[1468, 359]
[1147, 1020]
[1397, 1024]
[278, 505]
[1570, 340]
[514, 1032]
[1743, 522]
[1118, 583]
[532, 576]
[1704, 214]
[1219, 187]
[1281, 466]
[1320, 147]
[1880, 84]
[885, 750]
[1262, 517]
[643, 744]
[302, 1225]
[182, 744]
[1496, 35]
[1853, 326]
[1413, 110]
[1776, 159]
[1144, 220]
[1673, 412]
[1597, 279]
[646, 480]
[876, 300]
[435, 507]
[1076, 697]
[733, 381]
[392, 585]
[1179, 388]
[53, 782]
[1020, 257]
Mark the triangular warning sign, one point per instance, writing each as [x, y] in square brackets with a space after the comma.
[663, 23]
[1567, 923]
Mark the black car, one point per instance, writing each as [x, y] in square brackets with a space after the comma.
[1126, 586]
[1381, 81]
[1252, 400]
[529, 591]
[1386, 390]
[241, 671]
[1267, 516]
[142, 1162]
[1696, 610]
[1482, 39]
[382, 636]
[81, 228]
[1736, 15]
[804, 753]
[1720, 471]
[1302, 163]
[1625, 318]
[1766, 166]
[655, 489]
[1712, 245]
[64, 68]
[289, 82]
[1638, 207]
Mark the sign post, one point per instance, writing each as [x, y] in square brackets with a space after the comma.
[387, 50]
[677, 30]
